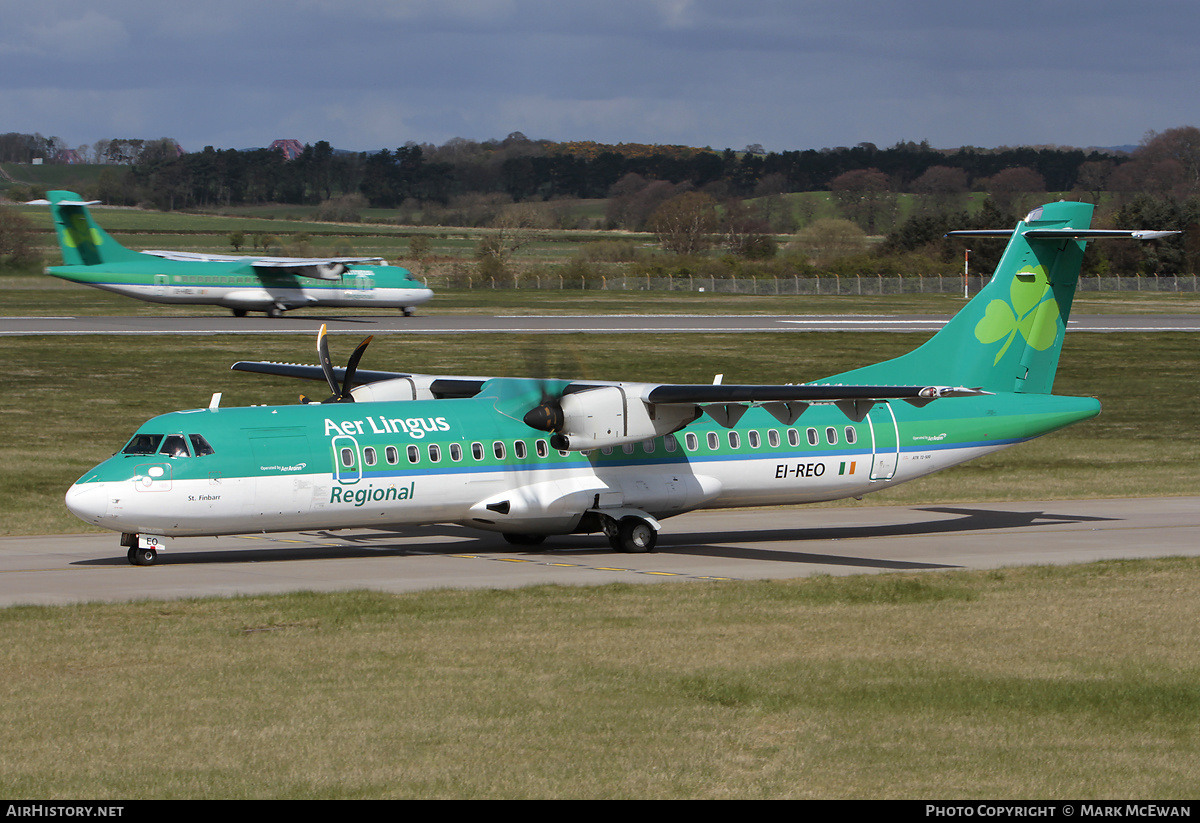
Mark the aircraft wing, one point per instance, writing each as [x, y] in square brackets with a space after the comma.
[805, 393]
[437, 386]
[587, 414]
[324, 268]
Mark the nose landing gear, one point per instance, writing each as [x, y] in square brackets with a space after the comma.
[138, 555]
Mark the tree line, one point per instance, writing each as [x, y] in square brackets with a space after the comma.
[156, 171]
[693, 198]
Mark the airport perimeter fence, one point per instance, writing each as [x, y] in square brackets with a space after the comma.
[860, 284]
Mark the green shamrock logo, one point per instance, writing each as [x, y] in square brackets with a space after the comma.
[1032, 311]
[78, 233]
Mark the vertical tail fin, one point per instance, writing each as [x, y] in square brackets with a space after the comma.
[1008, 338]
[83, 243]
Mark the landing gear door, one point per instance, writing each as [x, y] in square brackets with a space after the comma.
[885, 441]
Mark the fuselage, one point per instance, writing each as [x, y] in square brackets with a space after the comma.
[240, 287]
[239, 470]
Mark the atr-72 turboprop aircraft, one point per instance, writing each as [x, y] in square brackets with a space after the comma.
[531, 458]
[267, 284]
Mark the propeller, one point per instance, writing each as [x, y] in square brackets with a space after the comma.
[547, 415]
[341, 394]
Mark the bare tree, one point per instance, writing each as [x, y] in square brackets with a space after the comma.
[1009, 187]
[864, 196]
[683, 223]
[942, 187]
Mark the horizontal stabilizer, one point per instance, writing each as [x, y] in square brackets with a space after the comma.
[1068, 234]
[44, 202]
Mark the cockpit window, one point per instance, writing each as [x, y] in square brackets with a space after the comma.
[142, 444]
[200, 446]
[174, 446]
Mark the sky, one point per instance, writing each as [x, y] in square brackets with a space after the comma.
[786, 74]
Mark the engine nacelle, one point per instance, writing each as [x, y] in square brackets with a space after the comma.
[413, 387]
[616, 415]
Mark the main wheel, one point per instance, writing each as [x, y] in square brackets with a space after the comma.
[636, 536]
[142, 557]
[274, 312]
[409, 311]
[239, 312]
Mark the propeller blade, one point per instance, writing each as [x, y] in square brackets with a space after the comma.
[351, 368]
[326, 364]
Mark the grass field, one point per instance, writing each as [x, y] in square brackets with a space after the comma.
[1075, 683]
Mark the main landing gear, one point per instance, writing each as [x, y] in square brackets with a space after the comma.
[631, 535]
[274, 311]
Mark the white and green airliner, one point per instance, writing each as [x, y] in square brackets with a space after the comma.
[531, 458]
[239, 283]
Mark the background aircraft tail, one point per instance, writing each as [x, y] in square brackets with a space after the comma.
[1008, 337]
[83, 243]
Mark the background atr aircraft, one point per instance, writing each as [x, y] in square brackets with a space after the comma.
[267, 284]
[531, 458]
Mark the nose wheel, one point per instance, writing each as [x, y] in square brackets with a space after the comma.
[142, 557]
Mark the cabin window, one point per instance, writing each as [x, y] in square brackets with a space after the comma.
[541, 448]
[142, 444]
[369, 456]
[648, 446]
[455, 452]
[752, 439]
[831, 436]
[200, 446]
[714, 442]
[414, 454]
[735, 440]
[690, 441]
[606, 449]
[627, 448]
[793, 438]
[174, 446]
[498, 449]
[813, 437]
[670, 443]
[392, 454]
[435, 453]
[851, 435]
[477, 451]
[519, 450]
[773, 439]
[347, 456]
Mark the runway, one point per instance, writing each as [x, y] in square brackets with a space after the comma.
[546, 324]
[702, 546]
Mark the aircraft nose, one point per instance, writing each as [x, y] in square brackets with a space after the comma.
[88, 501]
